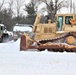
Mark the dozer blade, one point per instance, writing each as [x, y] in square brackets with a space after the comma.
[23, 43]
[24, 47]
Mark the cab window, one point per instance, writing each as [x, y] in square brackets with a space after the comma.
[67, 18]
[60, 23]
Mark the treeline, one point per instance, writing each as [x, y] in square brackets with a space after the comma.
[9, 18]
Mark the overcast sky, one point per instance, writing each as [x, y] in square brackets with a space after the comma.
[6, 5]
[63, 10]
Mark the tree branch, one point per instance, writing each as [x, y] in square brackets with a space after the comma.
[1, 4]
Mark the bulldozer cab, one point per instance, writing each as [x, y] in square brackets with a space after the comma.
[64, 20]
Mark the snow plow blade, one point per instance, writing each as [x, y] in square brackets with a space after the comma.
[51, 46]
[23, 43]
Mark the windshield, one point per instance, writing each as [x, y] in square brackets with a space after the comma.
[60, 22]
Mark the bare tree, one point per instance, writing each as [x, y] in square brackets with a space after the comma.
[72, 6]
[54, 4]
[2, 3]
[19, 4]
[10, 8]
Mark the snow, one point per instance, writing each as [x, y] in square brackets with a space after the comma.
[8, 32]
[22, 28]
[16, 62]
[1, 24]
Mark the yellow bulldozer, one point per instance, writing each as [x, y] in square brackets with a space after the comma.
[58, 36]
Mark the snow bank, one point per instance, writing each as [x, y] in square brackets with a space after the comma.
[22, 28]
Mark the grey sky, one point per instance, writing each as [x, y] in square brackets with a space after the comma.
[63, 10]
[6, 5]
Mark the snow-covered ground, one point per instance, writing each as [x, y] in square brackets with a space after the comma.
[16, 62]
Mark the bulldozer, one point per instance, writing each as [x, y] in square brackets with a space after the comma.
[58, 36]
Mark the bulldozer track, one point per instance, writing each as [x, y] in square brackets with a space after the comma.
[59, 37]
[53, 39]
[58, 40]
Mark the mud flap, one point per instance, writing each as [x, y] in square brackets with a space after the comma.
[23, 43]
